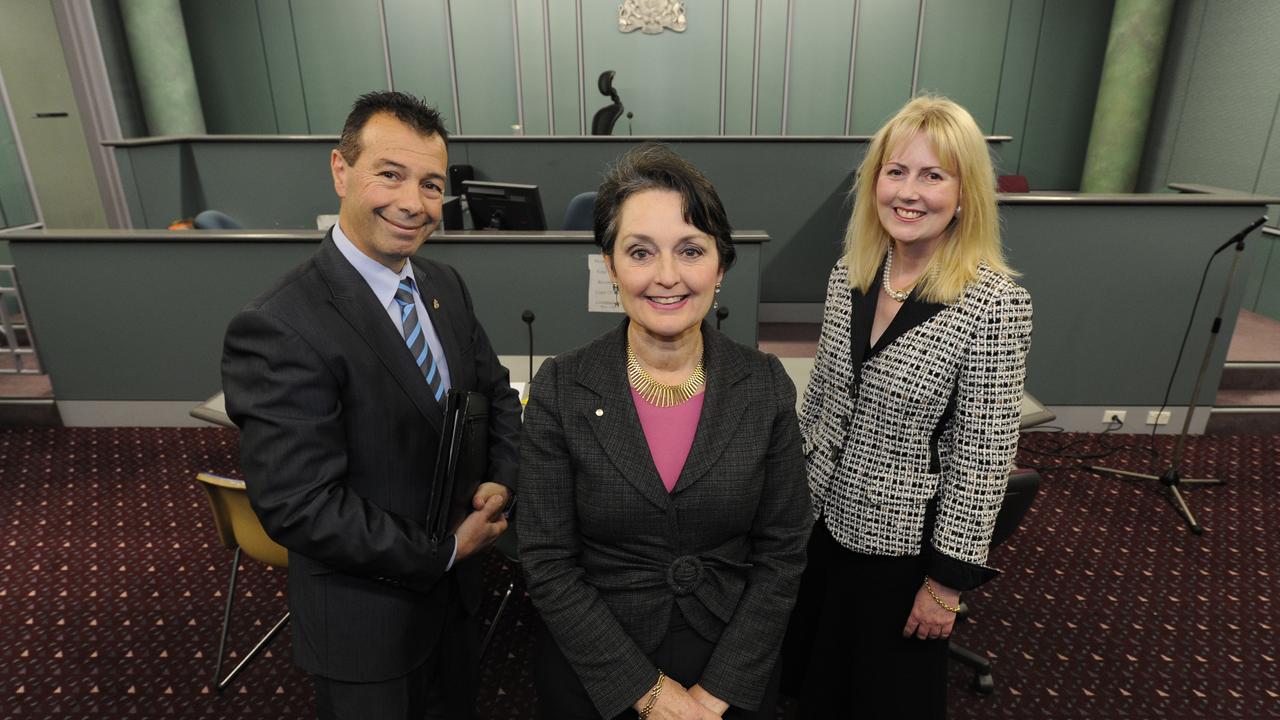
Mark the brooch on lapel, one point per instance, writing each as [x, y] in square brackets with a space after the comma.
[435, 303]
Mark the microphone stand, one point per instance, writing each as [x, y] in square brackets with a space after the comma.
[527, 317]
[1172, 477]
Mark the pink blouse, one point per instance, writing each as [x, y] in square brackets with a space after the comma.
[670, 433]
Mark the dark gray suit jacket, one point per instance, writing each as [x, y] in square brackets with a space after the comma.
[608, 552]
[338, 444]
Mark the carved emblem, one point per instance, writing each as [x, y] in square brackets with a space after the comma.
[651, 16]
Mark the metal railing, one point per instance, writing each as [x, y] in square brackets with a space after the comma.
[17, 344]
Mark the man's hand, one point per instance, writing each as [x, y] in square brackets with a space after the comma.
[928, 619]
[485, 523]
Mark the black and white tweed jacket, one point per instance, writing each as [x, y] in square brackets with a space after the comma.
[932, 413]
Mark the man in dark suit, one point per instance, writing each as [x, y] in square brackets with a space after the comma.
[335, 377]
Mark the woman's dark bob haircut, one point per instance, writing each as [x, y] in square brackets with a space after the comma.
[654, 166]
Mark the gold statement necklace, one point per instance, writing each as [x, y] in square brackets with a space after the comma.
[658, 394]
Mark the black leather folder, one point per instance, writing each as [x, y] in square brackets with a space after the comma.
[462, 462]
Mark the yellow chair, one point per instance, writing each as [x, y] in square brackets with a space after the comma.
[239, 529]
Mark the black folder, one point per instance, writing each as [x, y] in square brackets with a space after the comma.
[462, 462]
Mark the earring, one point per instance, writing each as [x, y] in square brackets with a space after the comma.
[958, 209]
[615, 294]
[715, 304]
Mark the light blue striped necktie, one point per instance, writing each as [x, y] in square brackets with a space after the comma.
[416, 339]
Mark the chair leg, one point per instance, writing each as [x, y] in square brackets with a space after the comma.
[484, 645]
[264, 642]
[226, 615]
[982, 680]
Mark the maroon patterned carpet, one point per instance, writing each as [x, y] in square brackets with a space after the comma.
[112, 589]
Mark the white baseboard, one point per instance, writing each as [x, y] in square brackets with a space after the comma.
[129, 413]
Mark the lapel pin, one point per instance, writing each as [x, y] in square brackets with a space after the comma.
[435, 303]
[599, 412]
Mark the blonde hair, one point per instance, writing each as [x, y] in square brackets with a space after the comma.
[972, 238]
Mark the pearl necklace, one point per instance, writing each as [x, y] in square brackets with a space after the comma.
[899, 295]
[658, 394]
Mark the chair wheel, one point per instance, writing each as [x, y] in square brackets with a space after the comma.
[983, 684]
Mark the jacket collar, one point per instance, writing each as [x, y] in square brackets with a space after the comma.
[912, 313]
[617, 425]
[352, 298]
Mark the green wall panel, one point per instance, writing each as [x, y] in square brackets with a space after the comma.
[1267, 300]
[533, 67]
[773, 56]
[115, 55]
[961, 54]
[564, 69]
[1231, 99]
[670, 81]
[15, 197]
[739, 57]
[284, 70]
[418, 39]
[1073, 42]
[483, 47]
[886, 54]
[227, 52]
[340, 55]
[1017, 69]
[821, 41]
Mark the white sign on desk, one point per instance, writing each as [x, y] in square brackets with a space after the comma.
[600, 297]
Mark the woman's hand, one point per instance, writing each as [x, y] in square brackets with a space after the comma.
[928, 619]
[676, 703]
[709, 701]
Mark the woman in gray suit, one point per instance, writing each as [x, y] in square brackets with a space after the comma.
[663, 513]
[910, 419]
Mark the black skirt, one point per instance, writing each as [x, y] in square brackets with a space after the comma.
[683, 655]
[844, 655]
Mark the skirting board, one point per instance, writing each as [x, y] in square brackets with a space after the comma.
[1074, 418]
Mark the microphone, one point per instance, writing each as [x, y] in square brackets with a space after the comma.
[527, 317]
[629, 116]
[1238, 238]
[722, 312]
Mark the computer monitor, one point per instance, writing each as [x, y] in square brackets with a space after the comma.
[504, 206]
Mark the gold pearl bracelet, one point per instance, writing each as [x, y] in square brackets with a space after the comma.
[929, 588]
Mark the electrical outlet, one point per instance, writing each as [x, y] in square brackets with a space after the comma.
[1109, 416]
[1161, 419]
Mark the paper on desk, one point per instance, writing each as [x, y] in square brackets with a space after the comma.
[600, 297]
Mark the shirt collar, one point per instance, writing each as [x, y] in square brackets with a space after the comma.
[380, 278]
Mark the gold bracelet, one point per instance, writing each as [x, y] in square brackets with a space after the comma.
[654, 692]
[929, 587]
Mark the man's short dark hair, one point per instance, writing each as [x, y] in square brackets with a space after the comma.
[654, 166]
[406, 108]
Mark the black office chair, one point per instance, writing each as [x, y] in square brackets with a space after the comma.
[1024, 484]
[580, 213]
[606, 117]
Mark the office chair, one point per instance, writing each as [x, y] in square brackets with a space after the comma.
[239, 529]
[1024, 484]
[215, 220]
[580, 213]
[1012, 184]
[603, 121]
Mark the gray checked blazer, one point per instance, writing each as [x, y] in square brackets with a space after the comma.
[909, 451]
[608, 551]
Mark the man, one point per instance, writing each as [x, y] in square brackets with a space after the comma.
[336, 378]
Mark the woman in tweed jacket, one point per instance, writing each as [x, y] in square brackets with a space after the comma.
[662, 534]
[910, 420]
